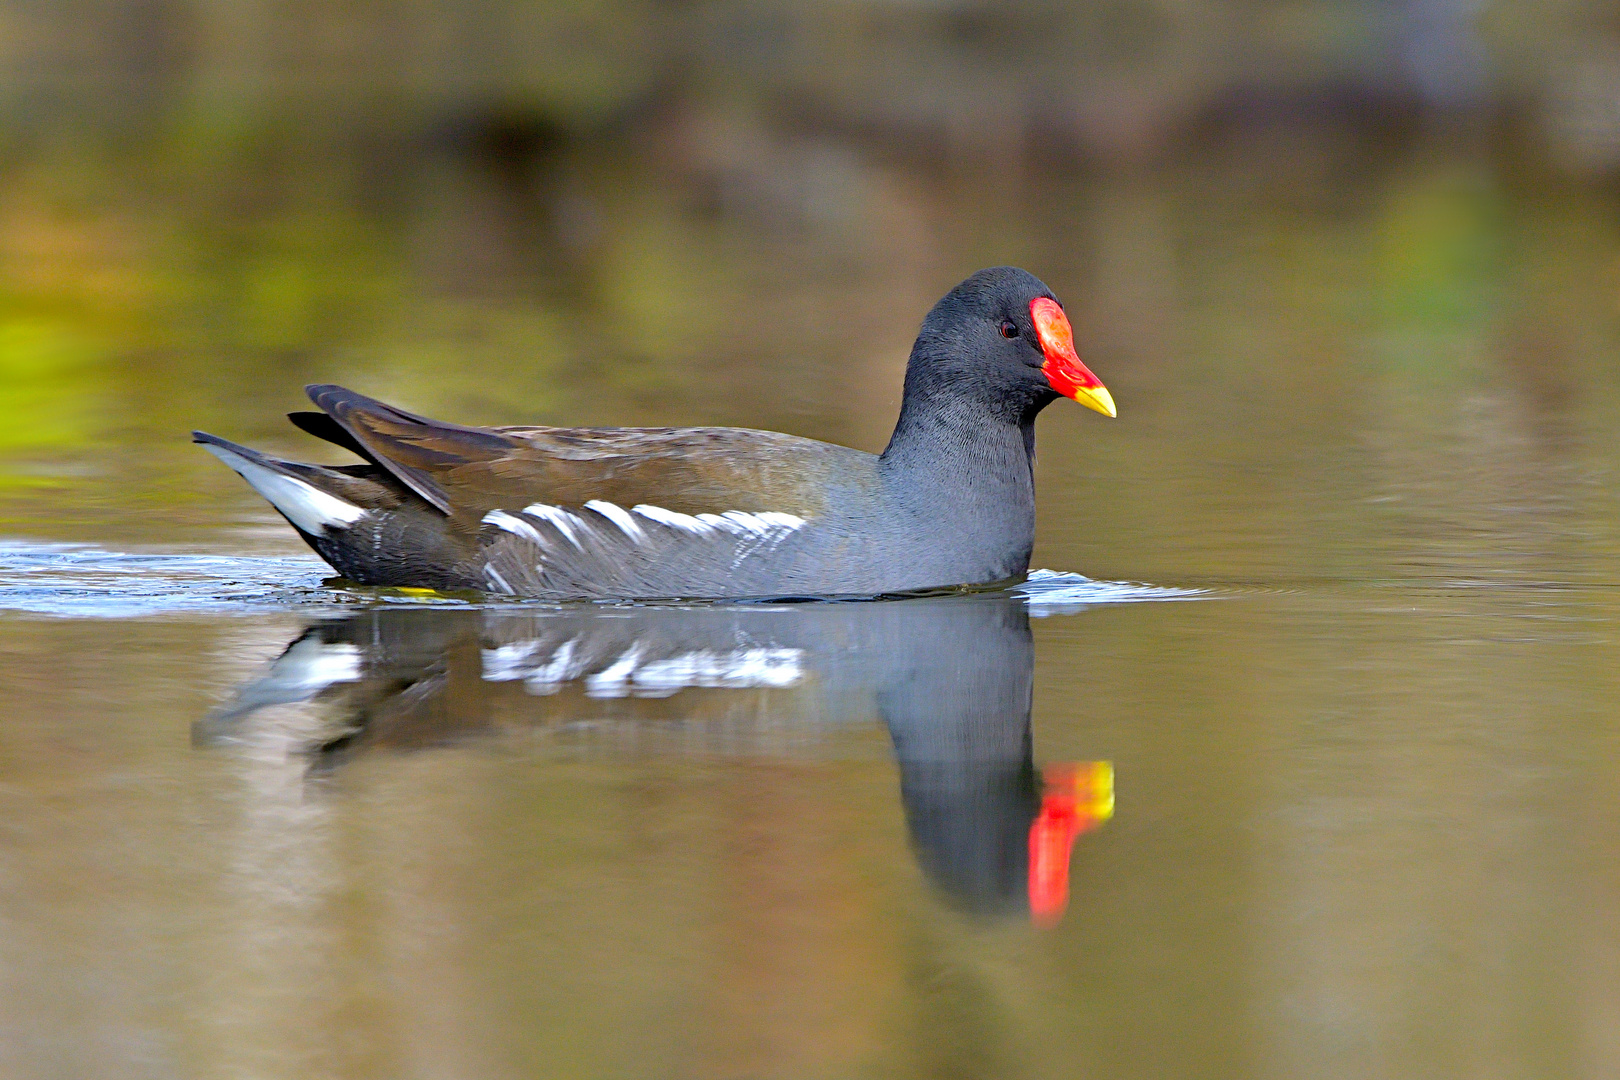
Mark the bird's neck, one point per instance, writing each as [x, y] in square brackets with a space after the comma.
[961, 437]
[956, 467]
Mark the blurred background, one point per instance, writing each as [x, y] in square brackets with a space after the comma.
[1351, 270]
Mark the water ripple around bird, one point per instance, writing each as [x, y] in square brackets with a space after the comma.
[82, 581]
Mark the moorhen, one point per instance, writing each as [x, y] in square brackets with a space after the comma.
[643, 513]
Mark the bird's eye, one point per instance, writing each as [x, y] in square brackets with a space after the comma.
[1009, 329]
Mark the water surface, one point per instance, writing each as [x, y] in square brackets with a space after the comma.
[1364, 792]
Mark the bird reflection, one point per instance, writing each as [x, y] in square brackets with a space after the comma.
[950, 677]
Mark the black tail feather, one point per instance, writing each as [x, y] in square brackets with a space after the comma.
[322, 426]
[415, 449]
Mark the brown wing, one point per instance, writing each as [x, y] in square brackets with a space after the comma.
[466, 472]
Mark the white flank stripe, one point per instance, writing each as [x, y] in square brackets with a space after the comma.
[790, 522]
[620, 517]
[684, 522]
[748, 523]
[514, 525]
[302, 503]
[765, 525]
[494, 577]
[562, 519]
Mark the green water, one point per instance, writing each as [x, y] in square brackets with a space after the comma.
[1366, 791]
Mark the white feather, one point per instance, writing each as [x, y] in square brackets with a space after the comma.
[514, 525]
[748, 523]
[565, 522]
[494, 577]
[684, 522]
[302, 503]
[766, 524]
[619, 517]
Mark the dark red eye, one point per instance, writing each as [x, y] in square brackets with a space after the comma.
[1008, 329]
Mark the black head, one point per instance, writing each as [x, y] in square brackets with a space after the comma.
[1000, 340]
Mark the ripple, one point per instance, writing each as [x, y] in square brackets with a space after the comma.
[81, 581]
[1053, 592]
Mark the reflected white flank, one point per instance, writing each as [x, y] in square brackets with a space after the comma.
[628, 674]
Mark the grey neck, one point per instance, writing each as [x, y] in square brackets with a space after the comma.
[967, 479]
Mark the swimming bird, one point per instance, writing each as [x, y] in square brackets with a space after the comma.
[704, 512]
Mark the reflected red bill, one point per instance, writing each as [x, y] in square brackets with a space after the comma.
[1079, 796]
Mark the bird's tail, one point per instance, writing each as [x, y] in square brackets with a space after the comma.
[296, 490]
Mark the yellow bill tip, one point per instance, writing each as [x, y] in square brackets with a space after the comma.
[1096, 397]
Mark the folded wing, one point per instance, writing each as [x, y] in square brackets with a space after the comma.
[605, 549]
[610, 512]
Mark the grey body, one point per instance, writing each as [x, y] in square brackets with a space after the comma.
[623, 513]
[885, 527]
